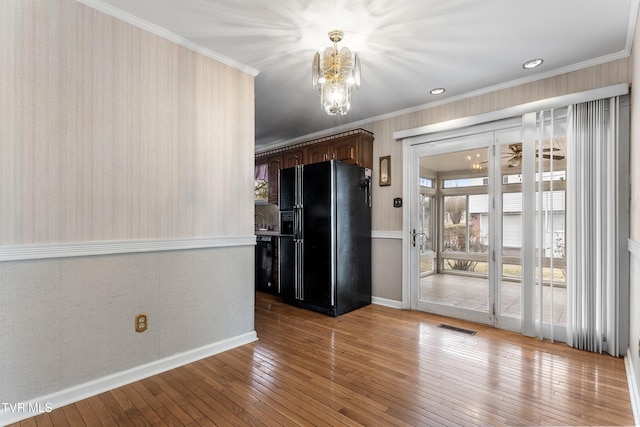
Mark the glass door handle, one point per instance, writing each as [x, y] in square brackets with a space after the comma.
[413, 237]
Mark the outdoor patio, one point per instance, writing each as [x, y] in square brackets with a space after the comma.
[472, 293]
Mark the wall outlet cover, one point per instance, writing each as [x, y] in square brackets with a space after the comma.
[141, 322]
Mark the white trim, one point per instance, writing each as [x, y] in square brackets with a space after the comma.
[110, 10]
[110, 382]
[386, 302]
[386, 234]
[470, 131]
[631, 26]
[634, 248]
[634, 395]
[406, 227]
[529, 135]
[63, 250]
[416, 135]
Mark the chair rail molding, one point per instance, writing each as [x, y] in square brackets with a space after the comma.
[386, 234]
[634, 248]
[76, 249]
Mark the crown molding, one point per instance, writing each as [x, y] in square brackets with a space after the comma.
[166, 34]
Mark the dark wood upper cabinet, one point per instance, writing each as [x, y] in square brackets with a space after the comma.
[275, 164]
[353, 147]
[317, 153]
[292, 158]
[345, 152]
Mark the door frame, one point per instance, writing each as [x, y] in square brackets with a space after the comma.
[476, 141]
[440, 133]
[492, 140]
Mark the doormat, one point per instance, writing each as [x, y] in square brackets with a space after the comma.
[456, 329]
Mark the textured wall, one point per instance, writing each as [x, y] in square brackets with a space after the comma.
[110, 133]
[113, 133]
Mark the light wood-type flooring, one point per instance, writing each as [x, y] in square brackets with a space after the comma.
[375, 366]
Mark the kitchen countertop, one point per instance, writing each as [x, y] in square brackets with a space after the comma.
[267, 233]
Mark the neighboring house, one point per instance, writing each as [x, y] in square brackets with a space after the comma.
[553, 218]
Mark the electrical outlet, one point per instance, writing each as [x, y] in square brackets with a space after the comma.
[141, 322]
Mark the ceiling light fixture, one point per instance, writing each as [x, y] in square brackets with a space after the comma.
[437, 91]
[515, 161]
[336, 76]
[532, 64]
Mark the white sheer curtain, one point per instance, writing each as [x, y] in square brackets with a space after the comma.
[592, 227]
[550, 220]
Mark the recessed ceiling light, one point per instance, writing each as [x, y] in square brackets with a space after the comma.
[437, 91]
[532, 64]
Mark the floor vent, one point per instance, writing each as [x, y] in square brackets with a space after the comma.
[453, 328]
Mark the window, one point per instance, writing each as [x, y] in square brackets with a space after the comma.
[466, 182]
[261, 177]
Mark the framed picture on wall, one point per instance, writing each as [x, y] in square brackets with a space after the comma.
[385, 170]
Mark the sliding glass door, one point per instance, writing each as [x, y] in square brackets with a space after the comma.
[469, 229]
[452, 237]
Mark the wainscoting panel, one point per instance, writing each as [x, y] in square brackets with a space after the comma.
[71, 321]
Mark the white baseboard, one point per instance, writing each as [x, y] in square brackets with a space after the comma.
[634, 394]
[386, 302]
[22, 410]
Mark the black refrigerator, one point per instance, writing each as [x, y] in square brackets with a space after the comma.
[325, 243]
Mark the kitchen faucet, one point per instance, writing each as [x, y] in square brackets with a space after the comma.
[264, 224]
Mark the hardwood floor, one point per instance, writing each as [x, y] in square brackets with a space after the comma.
[374, 366]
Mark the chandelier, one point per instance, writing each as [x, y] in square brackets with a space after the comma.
[335, 76]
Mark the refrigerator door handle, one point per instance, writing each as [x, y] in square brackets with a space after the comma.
[298, 189]
[295, 224]
[301, 223]
[297, 234]
[365, 185]
[299, 270]
[295, 268]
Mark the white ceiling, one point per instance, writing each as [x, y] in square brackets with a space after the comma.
[406, 48]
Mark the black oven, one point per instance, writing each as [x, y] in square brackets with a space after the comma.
[265, 262]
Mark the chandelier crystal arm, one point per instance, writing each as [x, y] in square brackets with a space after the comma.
[315, 70]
